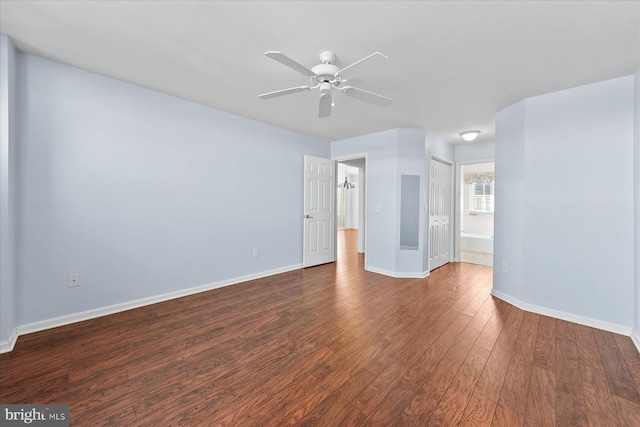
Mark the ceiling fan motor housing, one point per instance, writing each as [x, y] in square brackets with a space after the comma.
[325, 72]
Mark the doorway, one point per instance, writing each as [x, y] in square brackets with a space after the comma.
[476, 209]
[351, 206]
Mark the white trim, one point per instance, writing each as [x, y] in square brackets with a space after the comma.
[402, 275]
[379, 271]
[117, 308]
[7, 346]
[508, 298]
[355, 156]
[474, 161]
[562, 315]
[397, 275]
[442, 159]
[636, 339]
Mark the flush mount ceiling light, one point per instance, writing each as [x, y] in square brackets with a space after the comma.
[470, 135]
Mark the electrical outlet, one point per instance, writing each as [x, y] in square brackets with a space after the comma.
[74, 280]
[504, 267]
[256, 252]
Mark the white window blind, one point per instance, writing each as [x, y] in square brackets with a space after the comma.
[481, 197]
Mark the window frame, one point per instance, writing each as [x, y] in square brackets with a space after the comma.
[485, 196]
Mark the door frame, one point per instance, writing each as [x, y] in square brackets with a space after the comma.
[363, 179]
[458, 206]
[452, 205]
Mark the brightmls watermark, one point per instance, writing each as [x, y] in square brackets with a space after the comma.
[36, 415]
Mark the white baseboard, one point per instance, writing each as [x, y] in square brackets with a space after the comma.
[6, 346]
[397, 275]
[636, 339]
[508, 298]
[562, 315]
[379, 271]
[401, 275]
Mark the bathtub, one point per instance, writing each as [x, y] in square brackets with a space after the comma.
[476, 242]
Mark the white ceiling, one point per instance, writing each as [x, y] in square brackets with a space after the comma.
[452, 64]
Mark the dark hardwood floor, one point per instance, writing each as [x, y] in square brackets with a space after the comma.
[331, 345]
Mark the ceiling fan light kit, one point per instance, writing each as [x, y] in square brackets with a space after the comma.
[325, 77]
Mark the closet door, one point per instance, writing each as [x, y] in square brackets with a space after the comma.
[440, 209]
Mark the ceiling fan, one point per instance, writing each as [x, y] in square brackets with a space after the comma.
[326, 77]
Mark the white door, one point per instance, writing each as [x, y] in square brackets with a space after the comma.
[319, 211]
[439, 213]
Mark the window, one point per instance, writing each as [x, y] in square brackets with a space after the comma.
[481, 198]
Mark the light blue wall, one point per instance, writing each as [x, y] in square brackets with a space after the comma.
[564, 205]
[381, 186]
[143, 194]
[476, 152]
[508, 242]
[636, 186]
[438, 147]
[390, 154]
[583, 195]
[8, 187]
[411, 161]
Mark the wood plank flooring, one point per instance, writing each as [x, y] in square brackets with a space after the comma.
[332, 345]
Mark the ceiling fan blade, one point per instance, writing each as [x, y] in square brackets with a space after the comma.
[285, 60]
[366, 96]
[363, 59]
[283, 92]
[325, 105]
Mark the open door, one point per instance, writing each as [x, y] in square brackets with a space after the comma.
[319, 211]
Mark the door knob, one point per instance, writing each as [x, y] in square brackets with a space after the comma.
[308, 216]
